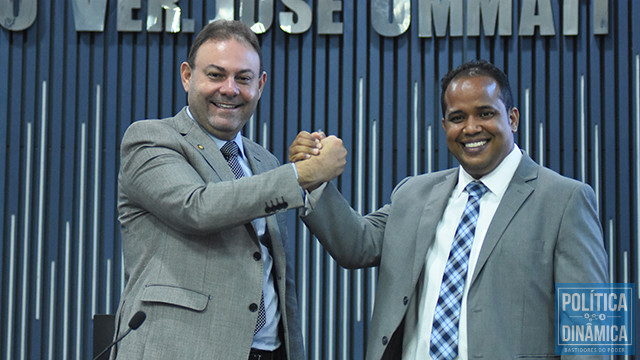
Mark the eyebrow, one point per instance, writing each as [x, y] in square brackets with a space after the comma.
[220, 68]
[455, 112]
[478, 108]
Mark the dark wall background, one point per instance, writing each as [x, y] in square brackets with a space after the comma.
[66, 98]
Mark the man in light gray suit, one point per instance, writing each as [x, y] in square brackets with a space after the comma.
[468, 257]
[201, 211]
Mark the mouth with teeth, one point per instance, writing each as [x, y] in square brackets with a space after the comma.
[226, 106]
[475, 145]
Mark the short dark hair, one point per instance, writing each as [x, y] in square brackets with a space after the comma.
[478, 68]
[224, 30]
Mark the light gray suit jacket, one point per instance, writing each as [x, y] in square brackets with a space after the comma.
[191, 253]
[544, 231]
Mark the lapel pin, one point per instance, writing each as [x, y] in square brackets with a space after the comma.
[200, 147]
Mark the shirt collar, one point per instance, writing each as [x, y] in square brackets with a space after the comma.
[496, 181]
[220, 142]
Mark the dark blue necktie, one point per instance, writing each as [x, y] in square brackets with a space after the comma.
[230, 151]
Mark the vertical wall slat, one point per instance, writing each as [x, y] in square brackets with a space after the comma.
[567, 112]
[552, 119]
[4, 139]
[30, 116]
[621, 85]
[12, 205]
[635, 59]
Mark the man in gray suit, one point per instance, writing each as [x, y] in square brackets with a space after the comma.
[202, 216]
[469, 257]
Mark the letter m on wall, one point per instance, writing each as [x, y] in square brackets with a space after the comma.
[437, 13]
[490, 10]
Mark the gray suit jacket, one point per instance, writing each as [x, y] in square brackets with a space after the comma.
[544, 231]
[191, 253]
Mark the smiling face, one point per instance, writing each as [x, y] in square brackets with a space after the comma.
[478, 127]
[223, 86]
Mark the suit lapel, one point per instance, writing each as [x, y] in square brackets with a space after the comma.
[277, 249]
[435, 203]
[253, 153]
[202, 142]
[518, 191]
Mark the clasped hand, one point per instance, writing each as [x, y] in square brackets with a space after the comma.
[318, 158]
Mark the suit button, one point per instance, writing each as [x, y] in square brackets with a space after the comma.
[384, 340]
[253, 307]
[405, 300]
[257, 256]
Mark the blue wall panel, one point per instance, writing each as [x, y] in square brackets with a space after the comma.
[66, 98]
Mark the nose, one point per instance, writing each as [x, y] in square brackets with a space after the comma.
[472, 126]
[229, 87]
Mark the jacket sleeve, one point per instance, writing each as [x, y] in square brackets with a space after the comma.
[163, 174]
[354, 240]
[579, 255]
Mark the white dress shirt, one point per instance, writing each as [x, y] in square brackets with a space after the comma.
[419, 318]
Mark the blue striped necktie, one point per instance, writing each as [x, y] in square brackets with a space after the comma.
[444, 334]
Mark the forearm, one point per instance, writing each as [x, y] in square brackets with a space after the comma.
[353, 240]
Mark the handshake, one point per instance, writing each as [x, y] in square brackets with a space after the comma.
[318, 158]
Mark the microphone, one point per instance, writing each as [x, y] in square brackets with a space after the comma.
[136, 320]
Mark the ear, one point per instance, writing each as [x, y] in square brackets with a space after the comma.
[185, 75]
[262, 82]
[443, 127]
[514, 119]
